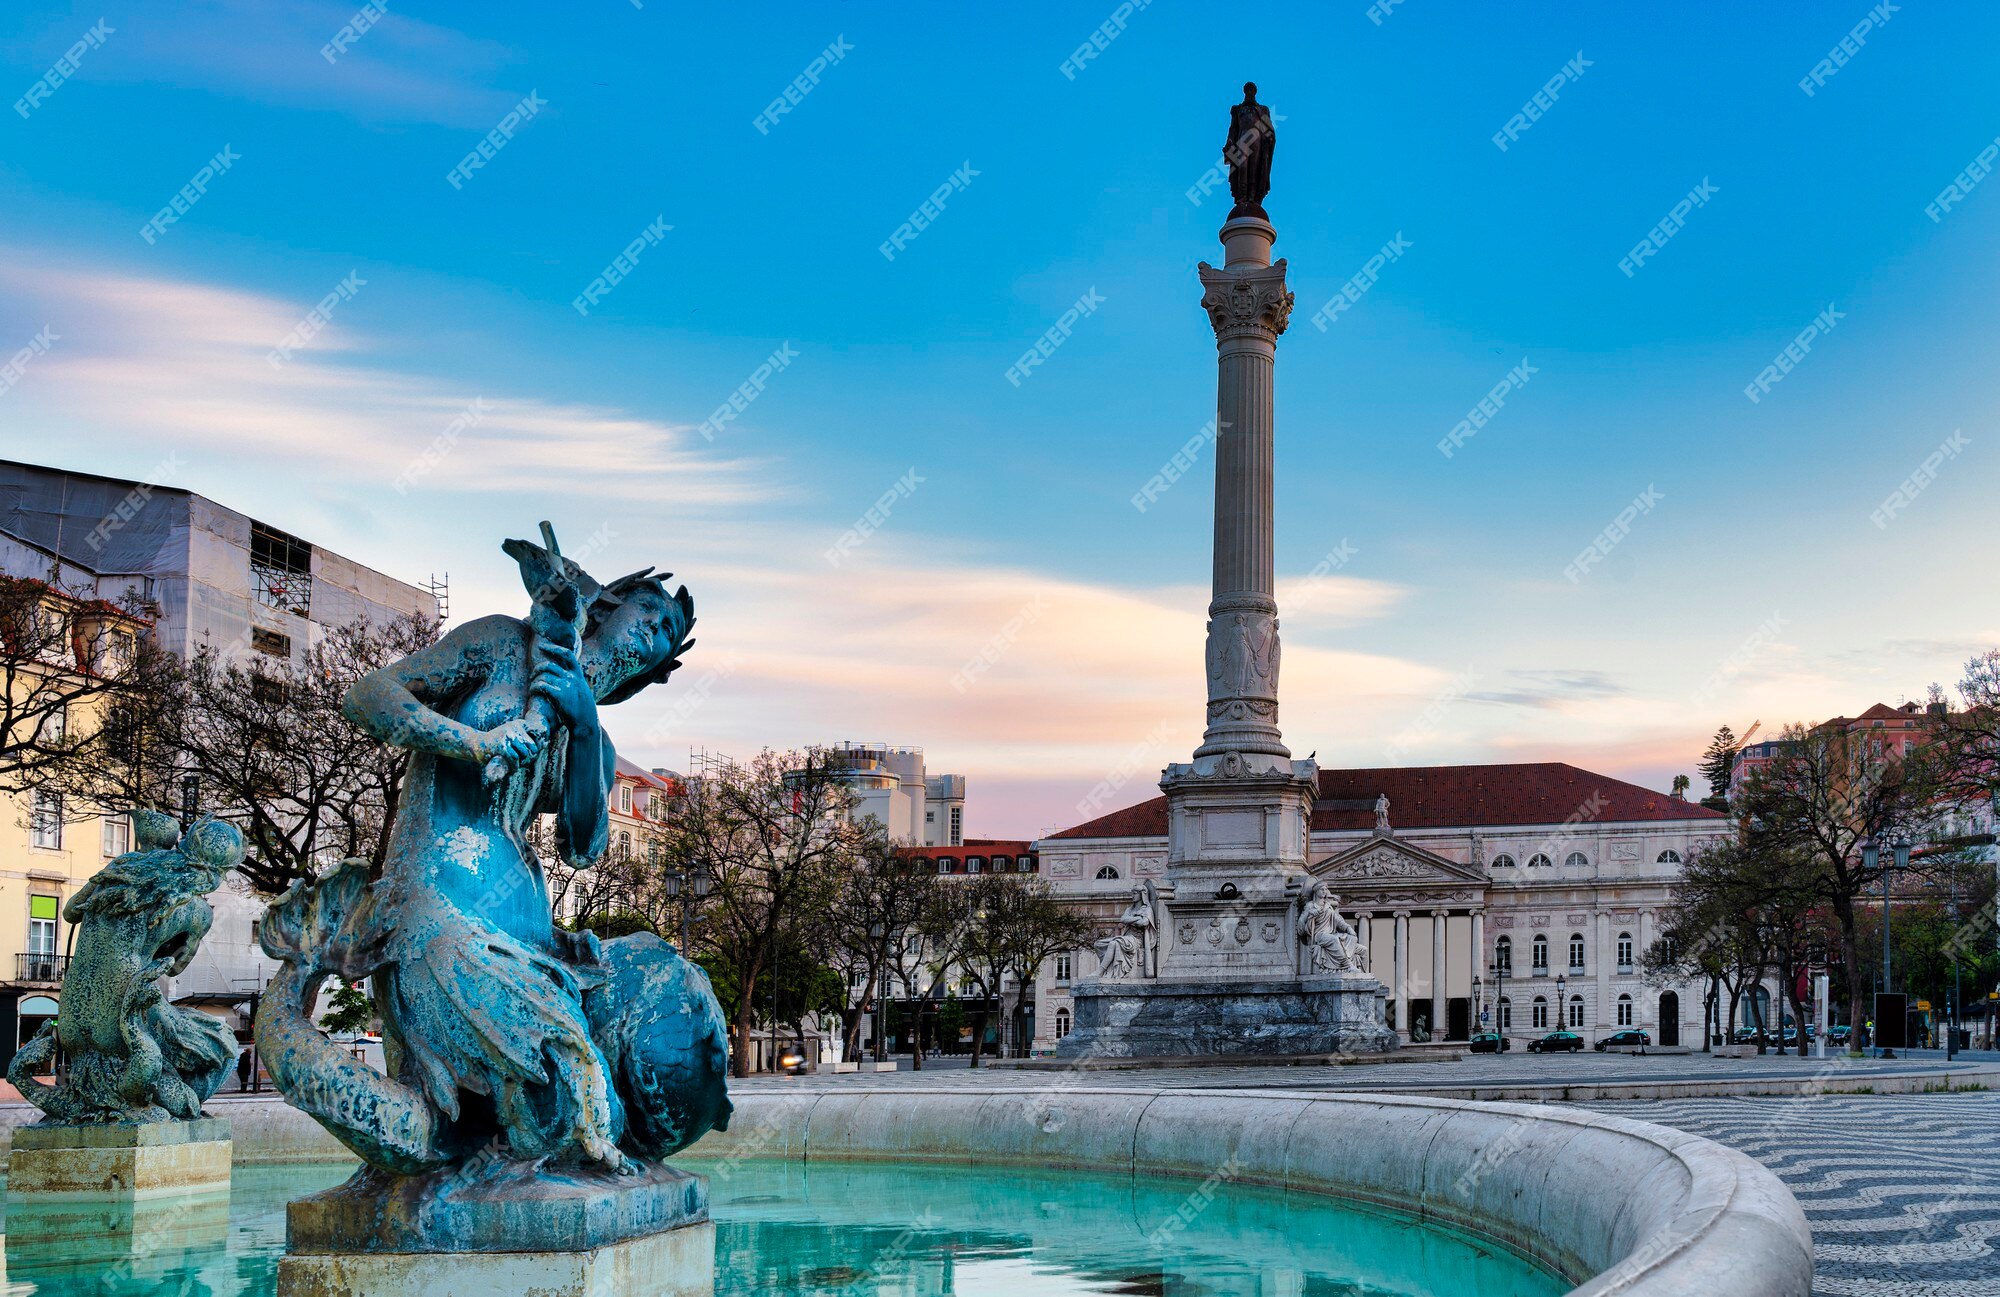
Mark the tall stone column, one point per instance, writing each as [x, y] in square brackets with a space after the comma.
[1440, 1001]
[1249, 306]
[1402, 974]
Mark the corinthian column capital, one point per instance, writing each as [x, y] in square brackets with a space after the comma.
[1250, 301]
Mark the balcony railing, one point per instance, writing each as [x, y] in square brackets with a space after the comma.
[40, 968]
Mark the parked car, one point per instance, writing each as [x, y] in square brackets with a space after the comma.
[1556, 1042]
[1838, 1035]
[1638, 1038]
[1490, 1042]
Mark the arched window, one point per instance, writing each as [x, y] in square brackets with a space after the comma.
[1575, 1011]
[1541, 1013]
[1539, 861]
[1624, 1010]
[1109, 871]
[1503, 954]
[1062, 1023]
[1503, 861]
[1506, 1014]
[1576, 952]
[624, 846]
[1668, 857]
[1624, 952]
[1541, 955]
[1577, 860]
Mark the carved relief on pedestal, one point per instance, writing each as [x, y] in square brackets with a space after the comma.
[1243, 652]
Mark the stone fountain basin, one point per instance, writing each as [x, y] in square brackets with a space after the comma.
[1610, 1204]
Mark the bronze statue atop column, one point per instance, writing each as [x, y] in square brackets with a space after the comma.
[1252, 140]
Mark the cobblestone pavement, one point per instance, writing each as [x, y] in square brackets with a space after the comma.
[1903, 1191]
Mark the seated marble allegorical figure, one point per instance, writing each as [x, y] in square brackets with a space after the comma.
[508, 1038]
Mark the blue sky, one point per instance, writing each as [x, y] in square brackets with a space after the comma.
[1756, 589]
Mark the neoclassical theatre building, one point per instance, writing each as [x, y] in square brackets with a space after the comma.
[1520, 896]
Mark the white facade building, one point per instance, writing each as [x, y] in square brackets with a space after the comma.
[1528, 878]
[890, 783]
[211, 576]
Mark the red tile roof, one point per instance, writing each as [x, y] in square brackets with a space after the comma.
[1436, 797]
[977, 847]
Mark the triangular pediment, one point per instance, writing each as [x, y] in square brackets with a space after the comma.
[1387, 861]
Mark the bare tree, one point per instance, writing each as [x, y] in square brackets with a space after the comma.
[997, 925]
[270, 750]
[870, 922]
[776, 838]
[85, 697]
[1824, 795]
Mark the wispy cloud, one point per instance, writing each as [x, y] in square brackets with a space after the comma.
[188, 364]
[400, 70]
[1550, 689]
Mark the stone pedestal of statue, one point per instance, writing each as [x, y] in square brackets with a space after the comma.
[469, 1230]
[118, 1161]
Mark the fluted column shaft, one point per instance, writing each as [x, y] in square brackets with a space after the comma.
[1248, 306]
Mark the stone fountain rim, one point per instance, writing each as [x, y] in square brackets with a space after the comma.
[1669, 1214]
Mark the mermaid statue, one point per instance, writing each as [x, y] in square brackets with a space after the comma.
[515, 1049]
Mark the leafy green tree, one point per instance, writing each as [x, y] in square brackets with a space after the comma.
[349, 1011]
[1718, 764]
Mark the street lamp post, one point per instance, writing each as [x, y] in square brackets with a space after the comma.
[876, 935]
[1562, 1002]
[1478, 1000]
[1499, 974]
[688, 886]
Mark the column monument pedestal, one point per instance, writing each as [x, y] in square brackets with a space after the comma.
[1247, 955]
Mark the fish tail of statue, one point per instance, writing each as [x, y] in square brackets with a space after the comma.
[382, 1119]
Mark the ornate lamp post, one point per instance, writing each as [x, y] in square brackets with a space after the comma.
[1500, 973]
[1478, 1000]
[688, 887]
[1562, 1002]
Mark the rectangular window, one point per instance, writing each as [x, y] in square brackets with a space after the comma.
[625, 799]
[117, 835]
[1624, 954]
[281, 569]
[45, 821]
[957, 818]
[1062, 968]
[42, 912]
[656, 807]
[276, 643]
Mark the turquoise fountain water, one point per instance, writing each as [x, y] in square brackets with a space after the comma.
[862, 1229]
